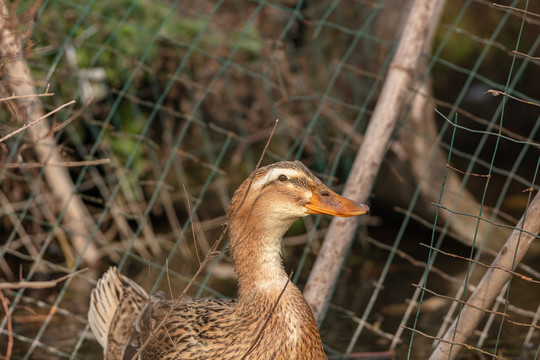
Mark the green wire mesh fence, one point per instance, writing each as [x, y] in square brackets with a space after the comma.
[126, 126]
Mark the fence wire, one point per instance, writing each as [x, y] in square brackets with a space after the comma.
[173, 104]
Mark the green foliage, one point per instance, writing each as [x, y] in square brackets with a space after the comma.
[121, 33]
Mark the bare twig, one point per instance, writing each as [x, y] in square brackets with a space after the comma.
[59, 164]
[525, 55]
[369, 355]
[168, 278]
[459, 301]
[453, 343]
[521, 276]
[38, 284]
[5, 305]
[374, 328]
[467, 173]
[477, 119]
[498, 224]
[498, 92]
[440, 228]
[523, 324]
[191, 223]
[511, 8]
[26, 126]
[15, 97]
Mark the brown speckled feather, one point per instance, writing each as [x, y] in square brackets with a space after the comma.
[226, 329]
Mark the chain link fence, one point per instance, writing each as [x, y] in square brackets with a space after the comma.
[127, 125]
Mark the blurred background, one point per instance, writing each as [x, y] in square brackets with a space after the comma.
[173, 104]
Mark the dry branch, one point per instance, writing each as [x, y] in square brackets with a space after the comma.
[517, 10]
[5, 306]
[38, 284]
[64, 164]
[20, 83]
[453, 343]
[492, 282]
[498, 92]
[513, 273]
[24, 127]
[369, 157]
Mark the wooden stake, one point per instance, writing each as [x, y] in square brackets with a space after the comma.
[387, 112]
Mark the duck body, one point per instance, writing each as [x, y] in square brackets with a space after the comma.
[227, 329]
[271, 319]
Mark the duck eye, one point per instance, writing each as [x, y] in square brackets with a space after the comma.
[282, 178]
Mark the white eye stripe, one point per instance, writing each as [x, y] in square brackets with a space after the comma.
[289, 173]
[273, 174]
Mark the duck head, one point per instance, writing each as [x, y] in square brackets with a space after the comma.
[276, 195]
[261, 211]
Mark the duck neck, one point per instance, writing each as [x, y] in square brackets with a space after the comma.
[256, 252]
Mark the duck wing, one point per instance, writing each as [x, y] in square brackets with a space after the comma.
[192, 328]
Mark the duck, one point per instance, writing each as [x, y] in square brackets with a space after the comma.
[269, 319]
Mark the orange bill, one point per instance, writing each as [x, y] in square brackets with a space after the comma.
[325, 201]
